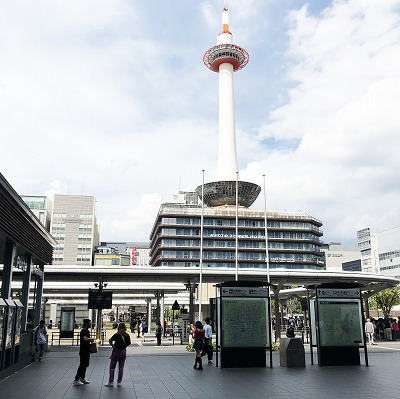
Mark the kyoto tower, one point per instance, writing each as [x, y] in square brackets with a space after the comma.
[226, 58]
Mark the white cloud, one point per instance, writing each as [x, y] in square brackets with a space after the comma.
[343, 107]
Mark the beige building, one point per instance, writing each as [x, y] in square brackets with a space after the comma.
[74, 227]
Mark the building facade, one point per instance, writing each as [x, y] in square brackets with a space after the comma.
[138, 252]
[41, 207]
[338, 255]
[294, 240]
[74, 227]
[380, 251]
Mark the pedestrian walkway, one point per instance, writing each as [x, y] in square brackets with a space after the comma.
[166, 372]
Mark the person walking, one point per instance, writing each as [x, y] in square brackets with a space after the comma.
[369, 331]
[119, 342]
[41, 338]
[198, 343]
[208, 349]
[159, 331]
[84, 353]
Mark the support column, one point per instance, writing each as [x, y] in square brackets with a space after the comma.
[26, 281]
[276, 290]
[366, 304]
[162, 309]
[39, 295]
[148, 313]
[7, 270]
[158, 306]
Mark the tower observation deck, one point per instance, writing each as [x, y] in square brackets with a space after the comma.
[226, 58]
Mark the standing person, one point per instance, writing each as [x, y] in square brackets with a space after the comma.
[190, 329]
[132, 326]
[84, 353]
[119, 341]
[138, 327]
[41, 338]
[208, 349]
[165, 328]
[159, 331]
[395, 330]
[369, 331]
[388, 328]
[144, 329]
[198, 343]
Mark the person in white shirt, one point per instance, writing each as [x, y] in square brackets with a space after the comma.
[41, 338]
[370, 331]
[207, 348]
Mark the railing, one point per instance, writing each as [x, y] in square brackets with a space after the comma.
[232, 212]
[55, 336]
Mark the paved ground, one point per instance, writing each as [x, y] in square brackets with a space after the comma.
[167, 372]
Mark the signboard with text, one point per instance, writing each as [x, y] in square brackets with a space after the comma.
[99, 299]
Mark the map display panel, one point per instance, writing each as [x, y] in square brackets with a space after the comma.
[340, 322]
[244, 322]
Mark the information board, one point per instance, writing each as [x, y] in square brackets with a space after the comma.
[99, 299]
[244, 322]
[340, 322]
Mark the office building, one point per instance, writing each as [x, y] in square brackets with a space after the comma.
[138, 252]
[74, 227]
[294, 240]
[337, 255]
[41, 207]
[380, 251]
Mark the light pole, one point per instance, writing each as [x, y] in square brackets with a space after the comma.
[100, 284]
[191, 286]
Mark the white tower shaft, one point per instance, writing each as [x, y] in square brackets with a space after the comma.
[227, 158]
[227, 155]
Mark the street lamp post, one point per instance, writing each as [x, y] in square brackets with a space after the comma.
[99, 311]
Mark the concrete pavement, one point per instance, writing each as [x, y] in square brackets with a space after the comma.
[167, 372]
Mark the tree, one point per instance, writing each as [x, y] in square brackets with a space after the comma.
[386, 299]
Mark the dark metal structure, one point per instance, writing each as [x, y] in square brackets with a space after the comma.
[26, 246]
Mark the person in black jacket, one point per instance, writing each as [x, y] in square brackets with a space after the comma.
[84, 354]
[119, 341]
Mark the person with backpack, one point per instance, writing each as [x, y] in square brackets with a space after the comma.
[159, 331]
[41, 338]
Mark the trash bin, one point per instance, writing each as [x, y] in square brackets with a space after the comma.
[291, 351]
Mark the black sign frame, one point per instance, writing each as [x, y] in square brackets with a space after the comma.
[99, 299]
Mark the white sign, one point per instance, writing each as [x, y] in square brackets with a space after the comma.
[338, 292]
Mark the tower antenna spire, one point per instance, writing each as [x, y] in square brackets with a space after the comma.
[225, 19]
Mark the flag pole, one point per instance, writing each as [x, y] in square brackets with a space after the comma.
[237, 227]
[201, 248]
[266, 232]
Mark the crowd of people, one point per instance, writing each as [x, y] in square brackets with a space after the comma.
[382, 329]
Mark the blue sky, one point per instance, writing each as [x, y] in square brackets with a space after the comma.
[111, 98]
